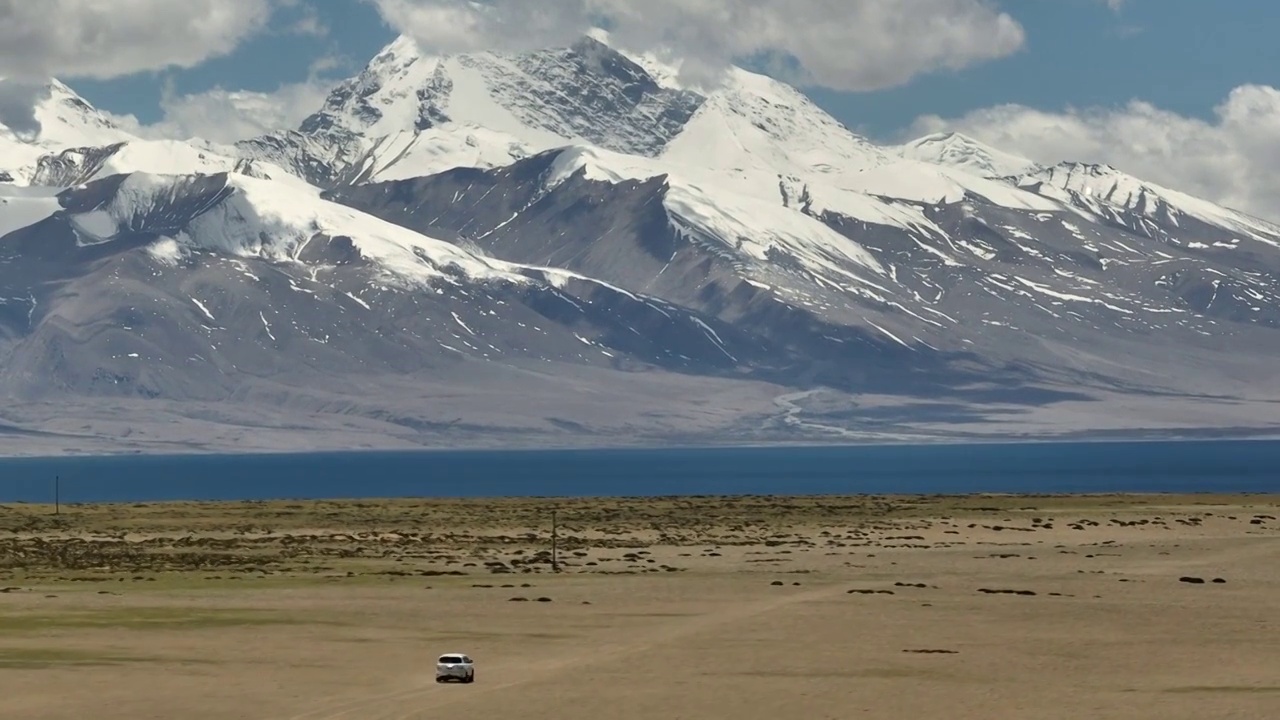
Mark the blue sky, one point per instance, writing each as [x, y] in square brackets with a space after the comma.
[1181, 55]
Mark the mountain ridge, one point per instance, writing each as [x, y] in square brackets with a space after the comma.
[571, 225]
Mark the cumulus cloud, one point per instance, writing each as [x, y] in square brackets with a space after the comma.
[1229, 158]
[225, 116]
[851, 45]
[105, 39]
[306, 20]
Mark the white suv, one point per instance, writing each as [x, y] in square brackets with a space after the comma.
[455, 666]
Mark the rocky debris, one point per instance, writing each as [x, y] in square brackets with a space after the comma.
[1191, 580]
[990, 591]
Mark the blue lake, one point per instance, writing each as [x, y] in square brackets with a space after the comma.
[1192, 466]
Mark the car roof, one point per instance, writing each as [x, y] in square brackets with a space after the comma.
[460, 654]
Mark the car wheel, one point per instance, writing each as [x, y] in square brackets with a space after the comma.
[471, 678]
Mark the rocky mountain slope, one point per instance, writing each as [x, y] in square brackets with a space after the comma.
[568, 247]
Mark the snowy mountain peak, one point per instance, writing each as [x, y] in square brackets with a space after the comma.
[65, 141]
[416, 112]
[960, 151]
[411, 114]
[58, 117]
[586, 92]
[46, 119]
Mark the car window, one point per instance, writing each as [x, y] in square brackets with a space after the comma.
[466, 659]
[450, 659]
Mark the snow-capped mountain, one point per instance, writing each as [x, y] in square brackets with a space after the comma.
[65, 120]
[1104, 191]
[568, 246]
[961, 151]
[411, 115]
[408, 114]
[77, 143]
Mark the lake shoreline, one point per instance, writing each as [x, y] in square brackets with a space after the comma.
[67, 511]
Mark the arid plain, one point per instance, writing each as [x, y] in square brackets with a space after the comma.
[839, 607]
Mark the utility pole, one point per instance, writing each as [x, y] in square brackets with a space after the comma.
[555, 555]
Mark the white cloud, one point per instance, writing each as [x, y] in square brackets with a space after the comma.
[1229, 159]
[306, 20]
[111, 38]
[840, 44]
[225, 116]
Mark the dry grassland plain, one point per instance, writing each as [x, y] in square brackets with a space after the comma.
[700, 608]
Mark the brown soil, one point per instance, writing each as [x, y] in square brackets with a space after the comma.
[870, 607]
